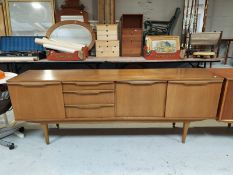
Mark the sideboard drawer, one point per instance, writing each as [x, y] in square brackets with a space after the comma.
[73, 86]
[90, 111]
[192, 99]
[89, 97]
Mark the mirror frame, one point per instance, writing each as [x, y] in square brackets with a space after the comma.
[7, 12]
[62, 23]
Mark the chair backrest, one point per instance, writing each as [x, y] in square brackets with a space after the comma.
[205, 39]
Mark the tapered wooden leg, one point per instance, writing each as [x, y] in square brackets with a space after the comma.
[58, 126]
[185, 131]
[46, 132]
[229, 125]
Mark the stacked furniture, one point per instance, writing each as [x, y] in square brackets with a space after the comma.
[158, 95]
[132, 31]
[107, 43]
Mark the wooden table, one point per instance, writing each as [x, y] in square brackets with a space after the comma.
[148, 95]
[228, 44]
[106, 63]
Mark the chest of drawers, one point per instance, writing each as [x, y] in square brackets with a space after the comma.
[131, 35]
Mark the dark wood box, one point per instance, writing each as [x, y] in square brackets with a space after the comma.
[131, 34]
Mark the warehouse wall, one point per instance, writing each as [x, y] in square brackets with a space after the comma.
[220, 17]
[152, 9]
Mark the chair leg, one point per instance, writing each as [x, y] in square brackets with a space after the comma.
[5, 119]
[46, 132]
[58, 126]
[229, 125]
[185, 131]
[174, 125]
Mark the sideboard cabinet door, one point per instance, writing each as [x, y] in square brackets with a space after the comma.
[140, 99]
[226, 108]
[35, 101]
[192, 99]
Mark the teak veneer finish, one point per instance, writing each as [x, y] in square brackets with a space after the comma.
[225, 111]
[162, 95]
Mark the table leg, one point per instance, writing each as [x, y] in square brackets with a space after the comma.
[227, 52]
[185, 131]
[46, 132]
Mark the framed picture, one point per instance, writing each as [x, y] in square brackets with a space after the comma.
[29, 17]
[163, 44]
[162, 47]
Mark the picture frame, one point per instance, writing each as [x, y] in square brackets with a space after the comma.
[29, 17]
[162, 47]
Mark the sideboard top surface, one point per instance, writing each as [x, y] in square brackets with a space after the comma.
[223, 72]
[116, 75]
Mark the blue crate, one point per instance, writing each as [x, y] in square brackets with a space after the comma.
[19, 44]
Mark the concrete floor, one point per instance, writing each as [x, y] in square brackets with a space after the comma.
[156, 149]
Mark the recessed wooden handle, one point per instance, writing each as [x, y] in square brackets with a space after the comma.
[89, 92]
[88, 83]
[35, 84]
[98, 106]
[141, 82]
[194, 82]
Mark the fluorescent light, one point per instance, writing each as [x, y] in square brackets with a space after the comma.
[36, 5]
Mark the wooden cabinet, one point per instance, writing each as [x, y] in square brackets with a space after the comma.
[140, 99]
[36, 101]
[193, 99]
[131, 37]
[169, 95]
[225, 111]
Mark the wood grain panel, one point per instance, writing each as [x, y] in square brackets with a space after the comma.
[226, 108]
[140, 99]
[195, 99]
[101, 11]
[89, 97]
[74, 86]
[90, 111]
[37, 101]
[2, 22]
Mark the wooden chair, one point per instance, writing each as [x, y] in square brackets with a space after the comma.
[205, 44]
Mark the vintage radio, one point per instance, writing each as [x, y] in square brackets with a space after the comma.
[107, 48]
[162, 48]
[131, 36]
[107, 32]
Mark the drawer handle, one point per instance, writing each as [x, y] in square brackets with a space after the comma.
[35, 84]
[90, 106]
[141, 82]
[89, 84]
[194, 82]
[89, 92]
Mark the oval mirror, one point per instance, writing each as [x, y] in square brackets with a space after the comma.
[73, 32]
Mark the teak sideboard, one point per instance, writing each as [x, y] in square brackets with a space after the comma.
[158, 95]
